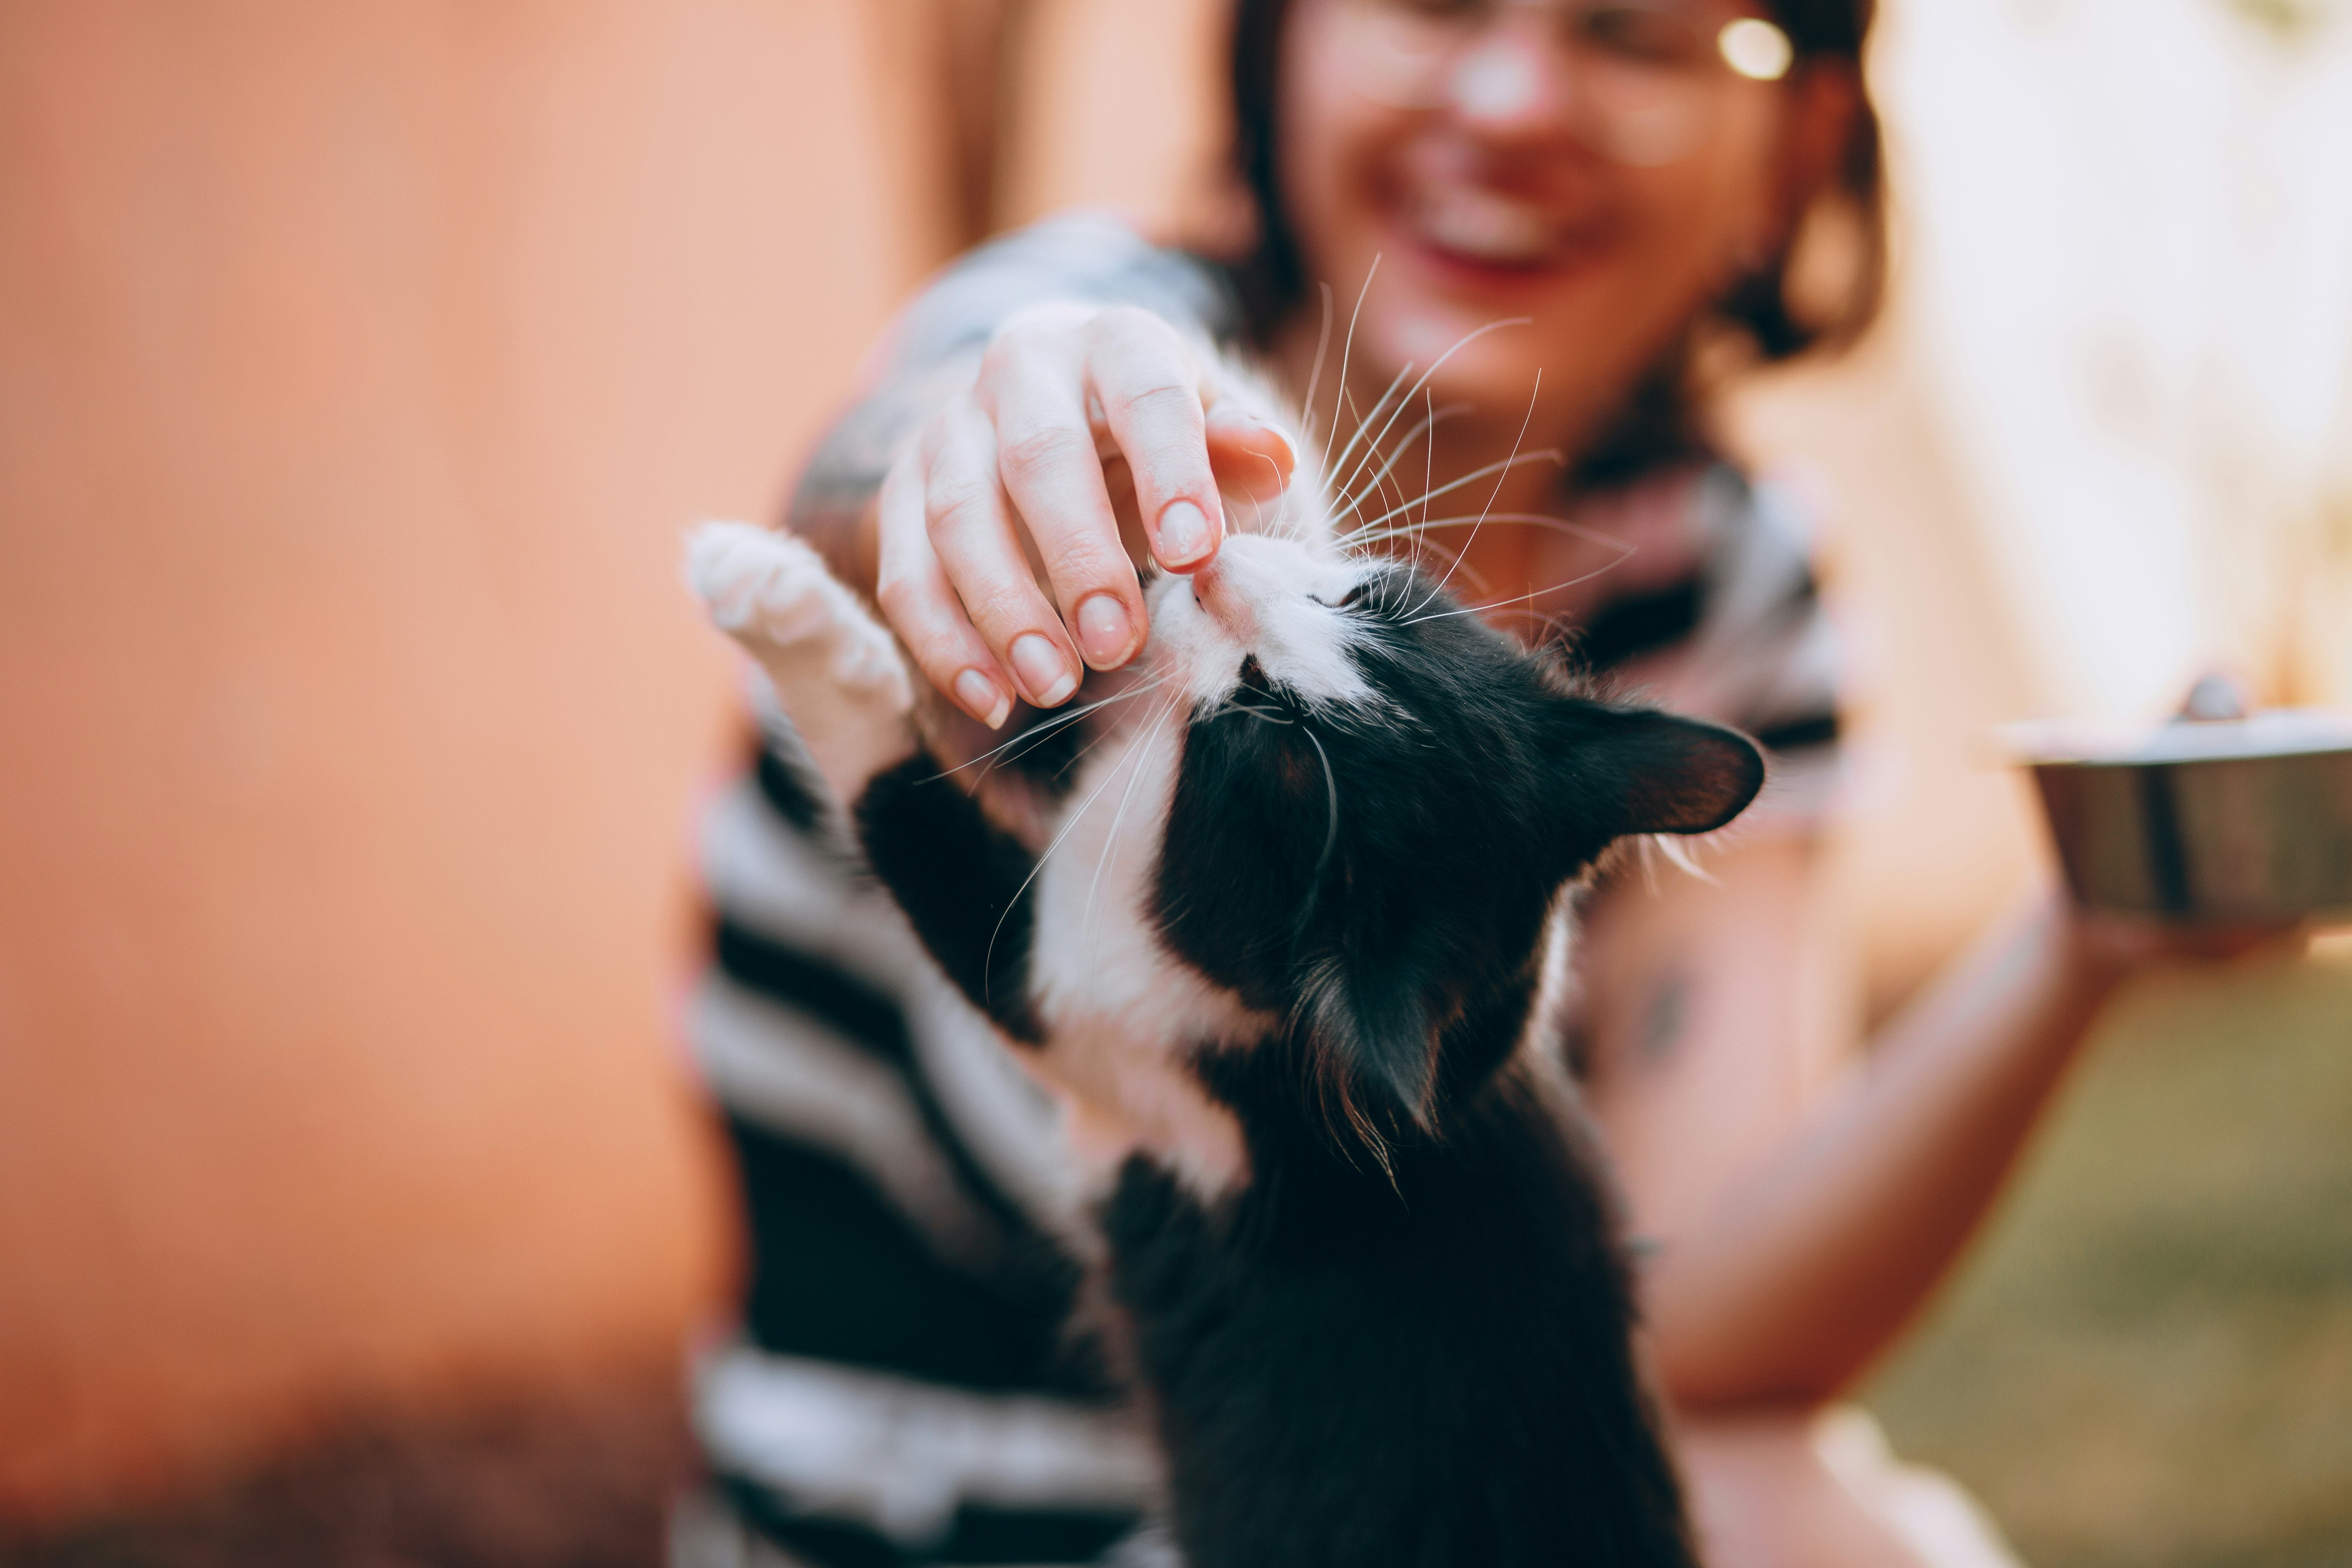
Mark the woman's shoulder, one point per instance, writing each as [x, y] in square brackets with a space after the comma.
[1717, 611]
[1091, 255]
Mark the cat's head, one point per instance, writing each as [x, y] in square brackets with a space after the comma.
[1336, 807]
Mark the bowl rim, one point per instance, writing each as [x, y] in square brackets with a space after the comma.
[2270, 733]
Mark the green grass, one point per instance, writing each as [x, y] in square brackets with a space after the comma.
[2149, 1358]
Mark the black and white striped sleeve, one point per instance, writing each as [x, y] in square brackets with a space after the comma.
[900, 1386]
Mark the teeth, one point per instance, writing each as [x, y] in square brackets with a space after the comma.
[1486, 228]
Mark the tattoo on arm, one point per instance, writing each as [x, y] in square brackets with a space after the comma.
[1664, 1019]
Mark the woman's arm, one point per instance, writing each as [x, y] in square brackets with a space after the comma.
[1711, 1020]
[1802, 1204]
[1799, 1276]
[1799, 1233]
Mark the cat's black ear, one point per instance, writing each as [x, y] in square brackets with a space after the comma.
[1638, 770]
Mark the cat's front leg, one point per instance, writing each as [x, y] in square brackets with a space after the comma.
[838, 670]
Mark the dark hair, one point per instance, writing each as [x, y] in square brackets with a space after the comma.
[1271, 276]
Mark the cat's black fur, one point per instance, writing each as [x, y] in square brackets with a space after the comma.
[1408, 1339]
[963, 882]
[1429, 1371]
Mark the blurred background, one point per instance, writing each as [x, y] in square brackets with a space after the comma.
[359, 367]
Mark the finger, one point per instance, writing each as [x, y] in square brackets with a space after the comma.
[1053, 477]
[1143, 376]
[971, 530]
[1250, 455]
[921, 604]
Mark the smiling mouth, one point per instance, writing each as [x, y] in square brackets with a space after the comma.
[1489, 229]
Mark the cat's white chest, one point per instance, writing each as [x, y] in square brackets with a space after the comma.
[1122, 1016]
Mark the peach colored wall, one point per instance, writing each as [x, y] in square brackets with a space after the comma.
[1118, 105]
[362, 365]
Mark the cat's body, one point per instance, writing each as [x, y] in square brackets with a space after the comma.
[1430, 1372]
[1282, 918]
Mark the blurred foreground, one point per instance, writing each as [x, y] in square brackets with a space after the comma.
[2148, 1365]
[581, 1479]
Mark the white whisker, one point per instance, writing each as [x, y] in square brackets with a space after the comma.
[1364, 424]
[1532, 519]
[1451, 556]
[1331, 823]
[1315, 376]
[1534, 394]
[1348, 344]
[1045, 727]
[1428, 464]
[1682, 855]
[1548, 455]
[1459, 345]
[1340, 486]
[1532, 593]
[1149, 738]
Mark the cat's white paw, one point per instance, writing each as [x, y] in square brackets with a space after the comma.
[773, 593]
[836, 670]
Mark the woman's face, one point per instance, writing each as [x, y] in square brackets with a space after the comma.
[1487, 199]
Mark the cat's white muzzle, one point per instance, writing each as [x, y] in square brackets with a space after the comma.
[1261, 597]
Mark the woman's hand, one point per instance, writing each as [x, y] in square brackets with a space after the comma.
[1083, 418]
[2110, 945]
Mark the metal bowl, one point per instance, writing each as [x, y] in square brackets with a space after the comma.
[2230, 821]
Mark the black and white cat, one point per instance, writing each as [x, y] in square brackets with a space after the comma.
[1281, 911]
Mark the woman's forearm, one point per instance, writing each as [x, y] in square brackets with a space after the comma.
[834, 505]
[1793, 1283]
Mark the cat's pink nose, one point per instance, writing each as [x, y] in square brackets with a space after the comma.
[1214, 591]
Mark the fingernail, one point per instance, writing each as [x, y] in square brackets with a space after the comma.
[1039, 664]
[1288, 449]
[983, 698]
[1183, 533]
[1104, 630]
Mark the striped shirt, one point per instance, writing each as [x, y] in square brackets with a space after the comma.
[900, 1388]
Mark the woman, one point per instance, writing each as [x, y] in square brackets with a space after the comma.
[1622, 183]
